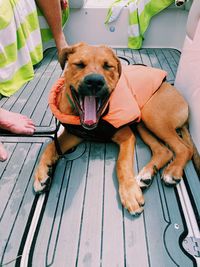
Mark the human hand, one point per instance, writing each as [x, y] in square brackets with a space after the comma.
[64, 4]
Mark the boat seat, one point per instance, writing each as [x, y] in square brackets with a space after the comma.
[188, 78]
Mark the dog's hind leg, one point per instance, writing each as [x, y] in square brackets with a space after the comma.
[48, 159]
[163, 114]
[161, 155]
[172, 174]
[183, 152]
[129, 190]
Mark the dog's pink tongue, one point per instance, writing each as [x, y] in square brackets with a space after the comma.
[90, 116]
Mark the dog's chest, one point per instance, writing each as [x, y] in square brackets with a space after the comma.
[102, 133]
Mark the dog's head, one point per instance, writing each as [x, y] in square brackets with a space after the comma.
[91, 74]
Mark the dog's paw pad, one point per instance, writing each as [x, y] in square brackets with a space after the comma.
[147, 182]
[144, 179]
[42, 186]
[137, 212]
[169, 180]
[142, 185]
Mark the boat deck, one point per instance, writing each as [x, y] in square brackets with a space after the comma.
[80, 221]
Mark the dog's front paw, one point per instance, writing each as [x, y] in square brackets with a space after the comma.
[145, 178]
[171, 180]
[42, 180]
[172, 175]
[131, 197]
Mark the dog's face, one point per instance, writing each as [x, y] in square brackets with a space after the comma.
[91, 74]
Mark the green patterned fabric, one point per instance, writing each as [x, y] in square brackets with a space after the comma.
[140, 14]
[20, 42]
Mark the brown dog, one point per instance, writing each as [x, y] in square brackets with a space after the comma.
[90, 80]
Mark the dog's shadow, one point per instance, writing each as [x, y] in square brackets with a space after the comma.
[67, 178]
[84, 190]
[85, 178]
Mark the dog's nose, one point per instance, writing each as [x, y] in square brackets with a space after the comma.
[94, 80]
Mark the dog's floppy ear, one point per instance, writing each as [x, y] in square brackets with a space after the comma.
[66, 51]
[119, 65]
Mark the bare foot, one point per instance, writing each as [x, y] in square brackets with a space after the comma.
[3, 153]
[16, 123]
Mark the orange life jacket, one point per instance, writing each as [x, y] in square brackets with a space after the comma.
[135, 87]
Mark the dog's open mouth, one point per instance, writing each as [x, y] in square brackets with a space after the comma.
[90, 108]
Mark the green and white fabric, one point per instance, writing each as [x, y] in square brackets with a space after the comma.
[140, 14]
[20, 43]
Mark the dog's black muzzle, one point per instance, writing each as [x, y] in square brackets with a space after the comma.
[90, 100]
[93, 85]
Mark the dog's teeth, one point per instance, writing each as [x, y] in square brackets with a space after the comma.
[81, 102]
[99, 104]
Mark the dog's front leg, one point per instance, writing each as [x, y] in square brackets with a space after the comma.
[130, 193]
[49, 157]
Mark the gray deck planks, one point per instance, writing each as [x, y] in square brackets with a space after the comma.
[42, 104]
[163, 58]
[49, 232]
[145, 57]
[9, 148]
[16, 194]
[136, 250]
[12, 172]
[136, 55]
[161, 216]
[153, 58]
[58, 237]
[38, 91]
[170, 57]
[135, 236]
[32, 98]
[193, 186]
[90, 237]
[164, 64]
[113, 238]
[83, 222]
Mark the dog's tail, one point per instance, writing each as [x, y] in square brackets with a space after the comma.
[188, 141]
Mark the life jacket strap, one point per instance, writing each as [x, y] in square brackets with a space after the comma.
[56, 142]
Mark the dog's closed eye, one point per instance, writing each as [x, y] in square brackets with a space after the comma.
[80, 65]
[107, 66]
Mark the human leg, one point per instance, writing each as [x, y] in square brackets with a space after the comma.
[52, 12]
[161, 155]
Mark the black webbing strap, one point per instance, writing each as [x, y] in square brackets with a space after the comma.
[57, 145]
